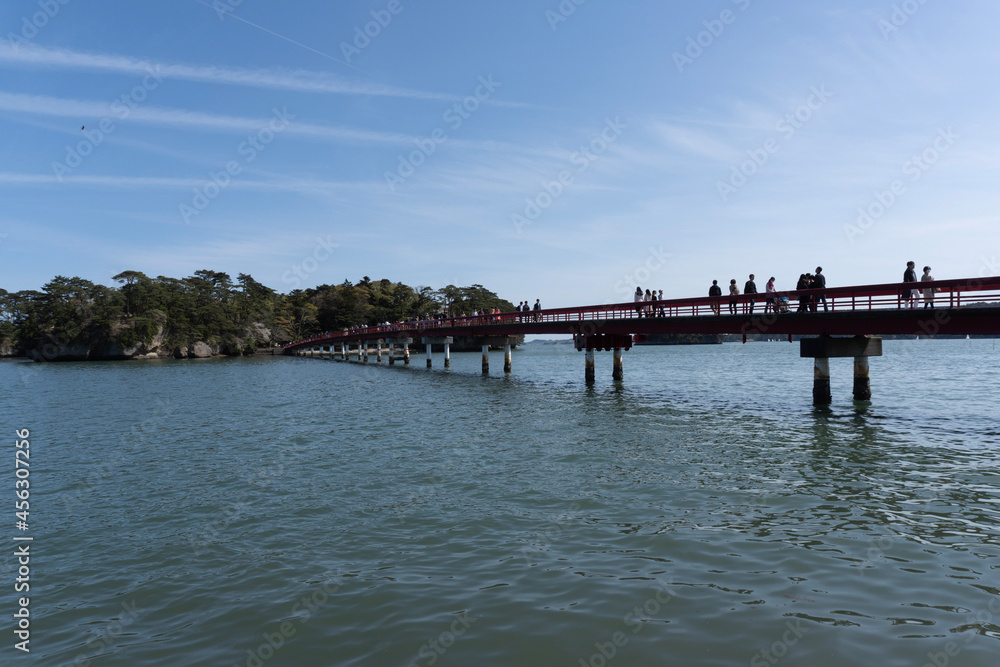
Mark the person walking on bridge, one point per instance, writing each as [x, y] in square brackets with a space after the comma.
[803, 300]
[734, 291]
[637, 299]
[750, 288]
[715, 291]
[819, 282]
[910, 276]
[928, 291]
[770, 305]
[537, 309]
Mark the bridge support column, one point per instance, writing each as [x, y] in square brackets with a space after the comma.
[364, 348]
[506, 357]
[617, 374]
[592, 342]
[378, 351]
[438, 340]
[486, 359]
[392, 354]
[862, 381]
[406, 354]
[824, 348]
[821, 381]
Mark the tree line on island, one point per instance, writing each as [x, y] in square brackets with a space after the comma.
[74, 318]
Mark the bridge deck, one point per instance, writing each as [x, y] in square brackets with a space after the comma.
[960, 308]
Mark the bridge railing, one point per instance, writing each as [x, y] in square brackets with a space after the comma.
[948, 293]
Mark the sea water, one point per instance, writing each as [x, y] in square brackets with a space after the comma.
[295, 511]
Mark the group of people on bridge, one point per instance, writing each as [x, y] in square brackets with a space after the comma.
[772, 302]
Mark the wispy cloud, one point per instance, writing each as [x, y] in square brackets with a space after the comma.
[89, 111]
[296, 80]
[86, 109]
[139, 182]
[693, 141]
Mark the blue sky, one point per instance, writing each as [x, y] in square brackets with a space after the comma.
[544, 149]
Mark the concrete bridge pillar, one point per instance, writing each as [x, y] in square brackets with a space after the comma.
[378, 351]
[486, 359]
[862, 381]
[821, 381]
[506, 357]
[364, 349]
[588, 373]
[617, 374]
[430, 341]
[392, 354]
[406, 354]
[824, 348]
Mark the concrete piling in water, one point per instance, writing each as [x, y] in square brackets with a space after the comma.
[596, 341]
[862, 380]
[430, 341]
[392, 354]
[821, 381]
[364, 347]
[506, 357]
[486, 359]
[824, 348]
[378, 351]
[406, 354]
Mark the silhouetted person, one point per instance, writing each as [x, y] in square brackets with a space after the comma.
[715, 291]
[750, 288]
[910, 276]
[819, 281]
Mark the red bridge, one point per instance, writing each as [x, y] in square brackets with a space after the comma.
[968, 306]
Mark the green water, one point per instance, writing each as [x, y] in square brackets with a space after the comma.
[286, 511]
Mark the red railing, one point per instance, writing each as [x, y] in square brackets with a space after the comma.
[949, 294]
